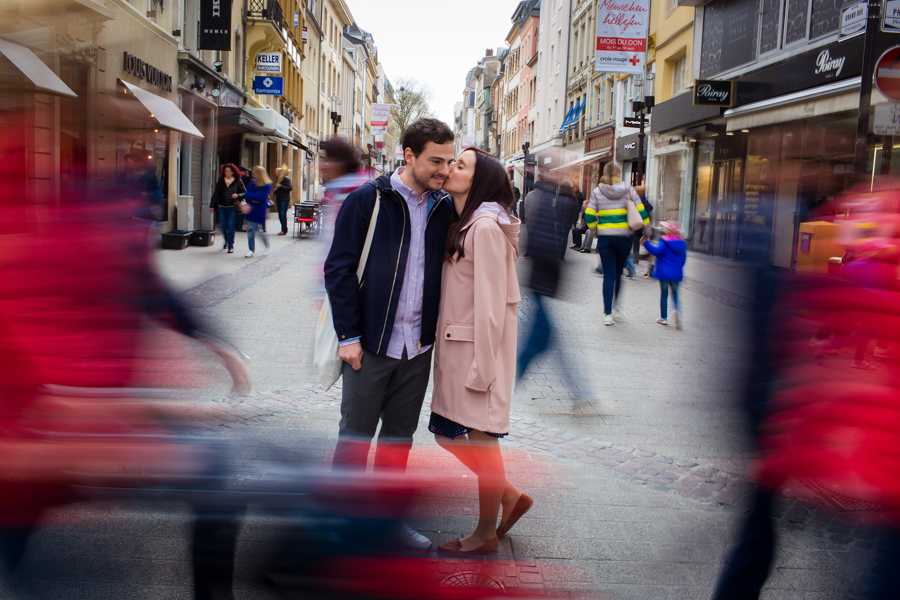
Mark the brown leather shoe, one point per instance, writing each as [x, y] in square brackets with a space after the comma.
[454, 548]
[283, 233]
[522, 505]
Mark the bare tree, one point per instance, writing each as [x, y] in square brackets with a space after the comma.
[411, 98]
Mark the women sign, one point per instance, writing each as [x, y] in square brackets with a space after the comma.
[622, 36]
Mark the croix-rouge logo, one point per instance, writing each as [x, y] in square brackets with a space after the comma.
[634, 60]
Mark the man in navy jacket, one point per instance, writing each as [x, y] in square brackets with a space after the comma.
[386, 322]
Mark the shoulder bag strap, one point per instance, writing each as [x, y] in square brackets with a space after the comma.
[369, 235]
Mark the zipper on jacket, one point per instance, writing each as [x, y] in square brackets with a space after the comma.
[425, 276]
[396, 270]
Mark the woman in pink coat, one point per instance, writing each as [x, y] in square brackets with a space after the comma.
[475, 352]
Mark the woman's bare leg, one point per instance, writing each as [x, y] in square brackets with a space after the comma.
[481, 454]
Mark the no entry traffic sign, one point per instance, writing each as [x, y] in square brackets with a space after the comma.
[887, 74]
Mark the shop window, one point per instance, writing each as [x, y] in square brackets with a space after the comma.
[770, 26]
[826, 18]
[678, 71]
[795, 21]
[730, 35]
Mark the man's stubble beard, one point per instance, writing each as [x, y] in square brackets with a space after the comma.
[426, 184]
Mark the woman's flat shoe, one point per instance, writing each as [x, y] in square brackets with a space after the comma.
[524, 503]
[455, 548]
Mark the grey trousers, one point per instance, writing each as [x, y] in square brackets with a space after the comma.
[587, 240]
[384, 389]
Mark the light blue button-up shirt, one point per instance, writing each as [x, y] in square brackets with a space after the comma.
[407, 329]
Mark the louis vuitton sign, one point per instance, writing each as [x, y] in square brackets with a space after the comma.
[135, 66]
[712, 92]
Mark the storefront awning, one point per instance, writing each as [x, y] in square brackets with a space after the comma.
[44, 79]
[579, 108]
[163, 111]
[565, 123]
[823, 100]
[277, 125]
[582, 160]
[240, 120]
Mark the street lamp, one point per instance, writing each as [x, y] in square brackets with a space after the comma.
[335, 117]
[526, 144]
[641, 108]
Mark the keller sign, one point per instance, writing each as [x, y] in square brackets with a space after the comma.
[268, 62]
[711, 92]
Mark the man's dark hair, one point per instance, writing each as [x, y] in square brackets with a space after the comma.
[341, 152]
[420, 132]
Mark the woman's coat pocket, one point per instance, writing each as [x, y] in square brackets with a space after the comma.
[460, 332]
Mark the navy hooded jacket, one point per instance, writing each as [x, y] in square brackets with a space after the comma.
[367, 308]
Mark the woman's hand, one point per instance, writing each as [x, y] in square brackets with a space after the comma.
[234, 196]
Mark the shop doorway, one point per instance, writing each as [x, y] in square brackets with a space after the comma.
[725, 209]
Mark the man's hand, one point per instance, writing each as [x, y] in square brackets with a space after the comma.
[212, 210]
[352, 353]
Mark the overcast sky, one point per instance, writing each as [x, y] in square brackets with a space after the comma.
[437, 46]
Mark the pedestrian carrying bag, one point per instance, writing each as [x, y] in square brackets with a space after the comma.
[635, 220]
[325, 354]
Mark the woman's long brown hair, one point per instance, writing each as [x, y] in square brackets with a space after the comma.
[489, 184]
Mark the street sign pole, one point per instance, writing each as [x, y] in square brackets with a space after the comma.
[865, 92]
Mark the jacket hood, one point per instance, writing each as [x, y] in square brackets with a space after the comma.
[511, 230]
[615, 191]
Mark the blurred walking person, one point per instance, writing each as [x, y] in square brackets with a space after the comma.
[340, 168]
[226, 195]
[257, 196]
[568, 210]
[545, 216]
[671, 254]
[608, 205]
[282, 192]
[475, 351]
[246, 178]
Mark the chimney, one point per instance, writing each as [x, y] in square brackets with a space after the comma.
[489, 52]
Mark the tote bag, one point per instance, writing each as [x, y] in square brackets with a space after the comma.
[635, 220]
[325, 354]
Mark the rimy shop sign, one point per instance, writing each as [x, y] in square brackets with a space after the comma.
[712, 92]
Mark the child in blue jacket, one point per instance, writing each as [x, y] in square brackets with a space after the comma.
[671, 254]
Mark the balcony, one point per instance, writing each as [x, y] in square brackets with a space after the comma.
[267, 10]
[267, 34]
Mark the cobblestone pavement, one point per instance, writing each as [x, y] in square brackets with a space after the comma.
[636, 467]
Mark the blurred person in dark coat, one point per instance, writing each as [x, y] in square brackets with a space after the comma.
[567, 210]
[138, 181]
[547, 216]
[282, 192]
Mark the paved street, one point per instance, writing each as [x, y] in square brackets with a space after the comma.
[638, 488]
